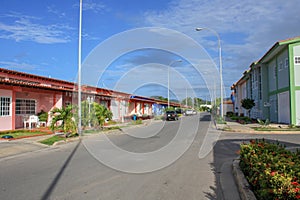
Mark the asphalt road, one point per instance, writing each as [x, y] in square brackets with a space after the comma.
[71, 172]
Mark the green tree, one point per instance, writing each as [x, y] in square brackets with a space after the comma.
[188, 101]
[62, 118]
[100, 113]
[93, 114]
[248, 104]
[43, 116]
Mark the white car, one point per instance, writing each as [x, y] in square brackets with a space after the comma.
[189, 112]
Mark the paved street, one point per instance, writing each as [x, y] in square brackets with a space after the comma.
[71, 172]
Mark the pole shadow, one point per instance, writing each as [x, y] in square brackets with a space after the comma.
[53, 184]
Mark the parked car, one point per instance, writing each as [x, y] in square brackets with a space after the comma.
[189, 112]
[171, 115]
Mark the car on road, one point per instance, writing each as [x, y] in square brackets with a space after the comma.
[189, 112]
[171, 115]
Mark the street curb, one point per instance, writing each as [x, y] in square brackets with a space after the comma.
[65, 141]
[242, 183]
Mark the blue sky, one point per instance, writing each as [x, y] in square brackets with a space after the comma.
[41, 37]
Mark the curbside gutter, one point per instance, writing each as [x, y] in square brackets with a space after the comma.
[242, 183]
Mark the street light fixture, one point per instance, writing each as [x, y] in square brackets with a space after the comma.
[172, 62]
[90, 100]
[220, 62]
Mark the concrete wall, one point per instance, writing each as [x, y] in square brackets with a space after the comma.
[283, 70]
[45, 101]
[271, 75]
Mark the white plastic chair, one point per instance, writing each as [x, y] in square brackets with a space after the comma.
[33, 119]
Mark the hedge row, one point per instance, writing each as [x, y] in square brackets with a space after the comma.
[272, 171]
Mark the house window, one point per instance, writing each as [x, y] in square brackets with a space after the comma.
[5, 106]
[297, 60]
[25, 106]
[286, 63]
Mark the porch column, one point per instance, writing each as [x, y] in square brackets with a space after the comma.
[13, 110]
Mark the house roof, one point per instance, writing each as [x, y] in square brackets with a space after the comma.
[277, 47]
[11, 77]
[24, 79]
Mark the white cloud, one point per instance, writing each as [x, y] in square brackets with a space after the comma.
[18, 66]
[52, 9]
[23, 29]
[247, 28]
[92, 6]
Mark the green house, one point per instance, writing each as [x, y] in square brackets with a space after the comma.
[273, 83]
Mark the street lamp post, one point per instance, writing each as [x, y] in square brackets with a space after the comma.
[220, 62]
[79, 69]
[172, 62]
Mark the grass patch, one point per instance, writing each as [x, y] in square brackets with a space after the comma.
[103, 129]
[219, 120]
[275, 129]
[92, 131]
[24, 133]
[137, 122]
[52, 140]
[111, 128]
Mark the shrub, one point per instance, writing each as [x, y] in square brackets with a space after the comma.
[234, 118]
[219, 120]
[272, 171]
[43, 116]
[229, 114]
[136, 122]
[263, 123]
[111, 122]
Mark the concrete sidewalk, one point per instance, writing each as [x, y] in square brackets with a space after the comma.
[231, 126]
[10, 148]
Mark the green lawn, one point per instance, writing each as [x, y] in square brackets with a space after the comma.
[24, 133]
[276, 129]
[52, 140]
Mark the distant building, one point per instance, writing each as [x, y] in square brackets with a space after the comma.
[273, 83]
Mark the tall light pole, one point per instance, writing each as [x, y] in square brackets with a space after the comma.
[79, 69]
[172, 62]
[220, 62]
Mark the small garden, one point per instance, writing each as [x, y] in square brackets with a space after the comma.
[272, 171]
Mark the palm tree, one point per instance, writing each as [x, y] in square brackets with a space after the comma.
[62, 118]
[101, 114]
[93, 114]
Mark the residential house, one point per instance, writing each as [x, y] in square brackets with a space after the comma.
[23, 95]
[273, 83]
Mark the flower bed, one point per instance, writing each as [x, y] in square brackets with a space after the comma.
[272, 171]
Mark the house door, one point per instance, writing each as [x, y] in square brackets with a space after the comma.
[284, 107]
